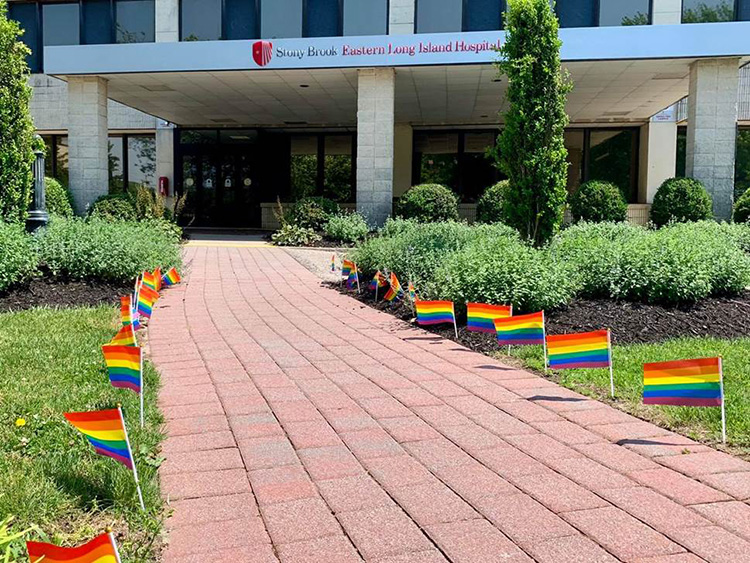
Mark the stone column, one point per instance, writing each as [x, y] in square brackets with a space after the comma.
[375, 139]
[167, 20]
[403, 153]
[401, 18]
[165, 157]
[712, 129]
[666, 12]
[88, 143]
[658, 157]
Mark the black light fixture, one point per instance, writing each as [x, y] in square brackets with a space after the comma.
[38, 216]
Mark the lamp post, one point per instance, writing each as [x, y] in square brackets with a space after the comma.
[38, 216]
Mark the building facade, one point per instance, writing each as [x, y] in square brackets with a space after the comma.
[240, 103]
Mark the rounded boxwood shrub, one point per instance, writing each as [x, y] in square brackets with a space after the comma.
[58, 198]
[312, 212]
[429, 203]
[681, 200]
[490, 205]
[18, 258]
[113, 208]
[346, 227]
[742, 208]
[596, 201]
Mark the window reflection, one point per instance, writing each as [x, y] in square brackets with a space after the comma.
[701, 11]
[617, 12]
[61, 23]
[337, 178]
[200, 20]
[439, 16]
[135, 21]
[304, 164]
[142, 161]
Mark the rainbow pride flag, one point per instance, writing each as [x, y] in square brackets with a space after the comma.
[346, 268]
[146, 299]
[352, 282]
[105, 430]
[102, 549]
[125, 367]
[379, 281]
[582, 350]
[395, 292]
[412, 293]
[172, 277]
[149, 280]
[685, 383]
[333, 262]
[435, 312]
[520, 330]
[128, 315]
[157, 278]
[480, 317]
[124, 337]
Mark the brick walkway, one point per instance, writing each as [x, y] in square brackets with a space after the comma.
[306, 428]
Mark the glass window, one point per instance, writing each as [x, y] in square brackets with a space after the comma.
[437, 155]
[702, 11]
[240, 19]
[198, 137]
[304, 166]
[365, 17]
[617, 12]
[337, 177]
[681, 152]
[116, 174]
[97, 22]
[61, 161]
[61, 23]
[439, 16]
[27, 16]
[200, 20]
[574, 144]
[576, 13]
[477, 170]
[743, 10]
[742, 166]
[142, 161]
[49, 147]
[613, 158]
[135, 21]
[281, 18]
[483, 15]
[322, 18]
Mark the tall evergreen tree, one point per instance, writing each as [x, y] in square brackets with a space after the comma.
[531, 149]
[16, 127]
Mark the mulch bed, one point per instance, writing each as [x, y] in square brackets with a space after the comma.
[52, 293]
[631, 323]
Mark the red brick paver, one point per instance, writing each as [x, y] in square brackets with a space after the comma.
[305, 427]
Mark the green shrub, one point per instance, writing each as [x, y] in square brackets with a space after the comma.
[429, 203]
[505, 271]
[346, 227]
[106, 250]
[148, 203]
[113, 208]
[597, 201]
[294, 235]
[681, 200]
[742, 208]
[18, 258]
[312, 212]
[415, 250]
[58, 198]
[490, 205]
[738, 233]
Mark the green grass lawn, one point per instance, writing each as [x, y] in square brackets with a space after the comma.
[700, 423]
[50, 477]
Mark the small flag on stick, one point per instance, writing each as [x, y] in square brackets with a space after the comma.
[582, 351]
[333, 263]
[481, 317]
[395, 292]
[149, 280]
[522, 330]
[102, 549]
[346, 268]
[125, 368]
[413, 297]
[435, 313]
[106, 431]
[378, 282]
[172, 277]
[157, 278]
[352, 281]
[124, 337]
[686, 383]
[146, 299]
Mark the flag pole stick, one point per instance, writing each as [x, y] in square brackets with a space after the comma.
[356, 273]
[511, 314]
[723, 406]
[544, 334]
[143, 386]
[455, 325]
[132, 460]
[114, 545]
[377, 286]
[611, 369]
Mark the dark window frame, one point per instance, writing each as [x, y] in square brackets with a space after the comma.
[387, 17]
[735, 15]
[39, 36]
[223, 34]
[339, 24]
[464, 6]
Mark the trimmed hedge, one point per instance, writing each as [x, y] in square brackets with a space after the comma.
[58, 198]
[117, 207]
[596, 201]
[346, 227]
[429, 202]
[490, 205]
[681, 200]
[106, 250]
[312, 212]
[18, 257]
[742, 208]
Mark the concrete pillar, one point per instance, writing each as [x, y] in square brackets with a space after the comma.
[375, 140]
[167, 20]
[666, 12]
[88, 148]
[403, 152]
[401, 18]
[165, 156]
[712, 129]
[658, 157]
